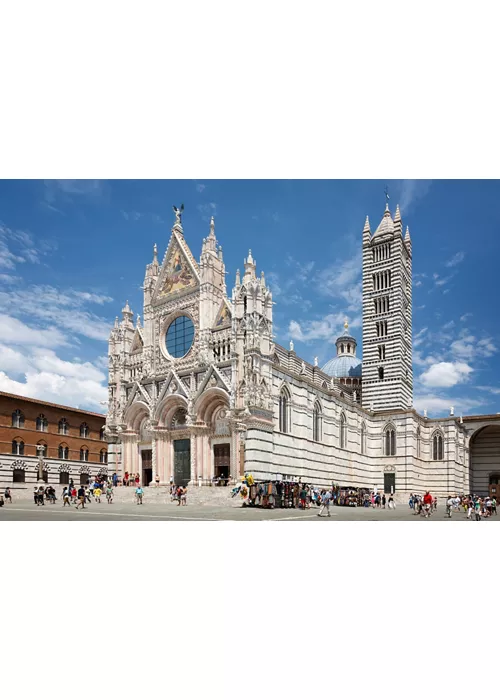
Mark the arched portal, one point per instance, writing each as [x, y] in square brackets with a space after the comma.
[215, 449]
[484, 467]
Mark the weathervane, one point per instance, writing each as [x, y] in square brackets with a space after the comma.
[178, 213]
[386, 193]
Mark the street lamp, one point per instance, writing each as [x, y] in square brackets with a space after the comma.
[41, 464]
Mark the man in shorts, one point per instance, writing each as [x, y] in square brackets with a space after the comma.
[325, 503]
[81, 498]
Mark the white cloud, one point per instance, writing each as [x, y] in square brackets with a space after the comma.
[59, 308]
[65, 188]
[26, 250]
[417, 283]
[446, 374]
[15, 332]
[207, 210]
[465, 316]
[74, 391]
[411, 192]
[468, 347]
[440, 405]
[456, 259]
[200, 187]
[419, 337]
[327, 328]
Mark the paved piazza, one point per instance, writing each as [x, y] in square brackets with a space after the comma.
[26, 511]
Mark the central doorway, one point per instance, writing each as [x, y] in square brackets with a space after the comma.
[389, 482]
[222, 461]
[147, 467]
[182, 462]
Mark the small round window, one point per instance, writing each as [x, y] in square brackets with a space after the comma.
[180, 335]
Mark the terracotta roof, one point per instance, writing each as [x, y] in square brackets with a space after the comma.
[55, 405]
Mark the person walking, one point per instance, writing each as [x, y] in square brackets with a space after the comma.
[8, 497]
[427, 503]
[81, 497]
[66, 498]
[139, 494]
[157, 481]
[326, 497]
[97, 493]
[184, 496]
[109, 494]
[384, 500]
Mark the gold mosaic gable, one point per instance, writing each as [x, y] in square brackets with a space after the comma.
[178, 273]
[223, 318]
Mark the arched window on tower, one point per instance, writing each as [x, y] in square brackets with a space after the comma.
[84, 430]
[390, 441]
[363, 438]
[63, 426]
[437, 446]
[343, 431]
[284, 411]
[84, 454]
[317, 418]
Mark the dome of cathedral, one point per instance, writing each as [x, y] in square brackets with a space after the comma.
[346, 364]
[343, 366]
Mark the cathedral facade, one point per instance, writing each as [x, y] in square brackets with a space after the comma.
[199, 389]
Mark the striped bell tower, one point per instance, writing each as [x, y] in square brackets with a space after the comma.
[387, 315]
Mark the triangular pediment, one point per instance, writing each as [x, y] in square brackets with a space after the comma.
[179, 270]
[224, 315]
[137, 342]
[172, 385]
[213, 378]
[137, 394]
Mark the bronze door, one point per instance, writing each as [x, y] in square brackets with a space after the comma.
[182, 462]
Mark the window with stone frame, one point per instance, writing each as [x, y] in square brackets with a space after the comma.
[17, 419]
[390, 442]
[17, 447]
[284, 411]
[317, 421]
[42, 424]
[437, 447]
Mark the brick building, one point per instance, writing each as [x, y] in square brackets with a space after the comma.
[72, 441]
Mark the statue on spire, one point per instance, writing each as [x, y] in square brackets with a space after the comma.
[178, 213]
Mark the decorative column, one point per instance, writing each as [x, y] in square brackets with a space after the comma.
[154, 460]
[194, 460]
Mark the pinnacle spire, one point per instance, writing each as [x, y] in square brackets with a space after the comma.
[155, 253]
[366, 228]
[212, 228]
[407, 234]
[397, 215]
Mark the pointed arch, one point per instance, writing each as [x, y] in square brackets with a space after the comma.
[285, 406]
[317, 421]
[363, 438]
[437, 446]
[389, 440]
[343, 431]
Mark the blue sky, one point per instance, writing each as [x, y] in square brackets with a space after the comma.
[72, 252]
